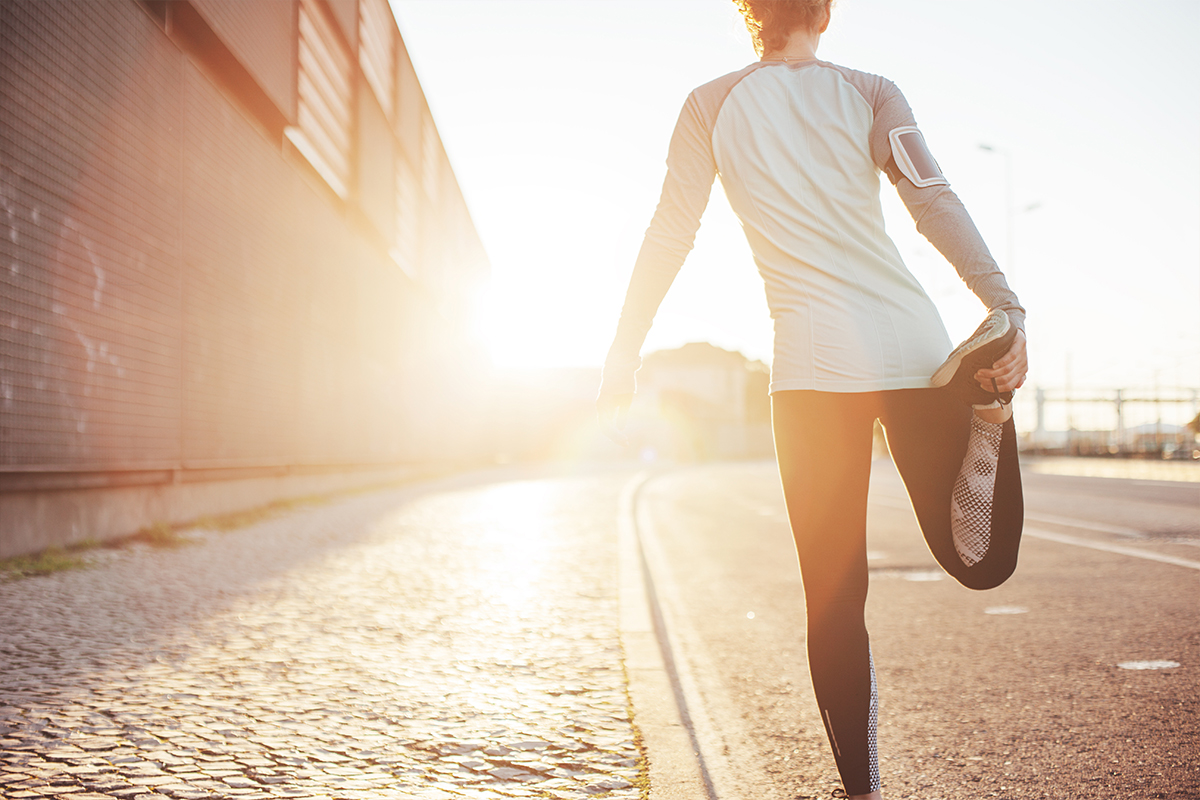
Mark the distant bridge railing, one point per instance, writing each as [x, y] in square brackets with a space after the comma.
[1152, 422]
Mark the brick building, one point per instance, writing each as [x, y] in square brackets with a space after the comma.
[231, 247]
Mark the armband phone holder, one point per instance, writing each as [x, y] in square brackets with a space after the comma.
[911, 158]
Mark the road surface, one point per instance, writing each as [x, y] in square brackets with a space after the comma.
[1014, 693]
[470, 639]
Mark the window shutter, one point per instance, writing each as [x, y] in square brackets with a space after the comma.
[323, 112]
[377, 51]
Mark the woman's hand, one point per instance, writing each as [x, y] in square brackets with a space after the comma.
[611, 411]
[1009, 372]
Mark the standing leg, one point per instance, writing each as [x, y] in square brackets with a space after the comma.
[823, 444]
[929, 433]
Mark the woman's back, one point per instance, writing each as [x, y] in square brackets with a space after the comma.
[793, 144]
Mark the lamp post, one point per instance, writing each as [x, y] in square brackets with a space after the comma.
[1010, 208]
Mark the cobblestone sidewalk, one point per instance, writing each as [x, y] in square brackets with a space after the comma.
[459, 643]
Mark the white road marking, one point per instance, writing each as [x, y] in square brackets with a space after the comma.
[1078, 541]
[1148, 664]
[890, 501]
[1047, 519]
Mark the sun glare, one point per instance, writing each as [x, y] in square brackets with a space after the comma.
[523, 326]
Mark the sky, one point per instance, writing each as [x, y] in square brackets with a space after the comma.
[556, 115]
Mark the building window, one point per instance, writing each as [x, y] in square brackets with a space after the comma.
[409, 106]
[323, 89]
[377, 50]
[431, 161]
[407, 252]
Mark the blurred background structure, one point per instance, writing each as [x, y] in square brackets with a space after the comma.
[235, 259]
[236, 264]
[1157, 422]
[564, 192]
[694, 403]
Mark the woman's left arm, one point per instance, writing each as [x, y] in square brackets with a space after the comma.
[1010, 371]
[942, 219]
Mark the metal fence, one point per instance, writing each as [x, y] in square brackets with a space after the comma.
[1130, 421]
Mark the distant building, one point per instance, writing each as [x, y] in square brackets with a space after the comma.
[544, 414]
[695, 403]
[714, 402]
[231, 244]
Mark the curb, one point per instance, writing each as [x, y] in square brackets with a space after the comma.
[675, 762]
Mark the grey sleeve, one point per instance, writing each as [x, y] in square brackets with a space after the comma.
[940, 215]
[690, 174]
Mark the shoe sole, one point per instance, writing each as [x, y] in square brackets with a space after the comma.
[949, 368]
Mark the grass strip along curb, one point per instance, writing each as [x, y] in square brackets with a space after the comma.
[171, 535]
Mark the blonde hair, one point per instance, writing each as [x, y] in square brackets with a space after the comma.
[771, 22]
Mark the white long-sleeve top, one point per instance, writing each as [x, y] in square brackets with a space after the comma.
[799, 149]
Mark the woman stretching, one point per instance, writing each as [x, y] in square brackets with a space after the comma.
[800, 145]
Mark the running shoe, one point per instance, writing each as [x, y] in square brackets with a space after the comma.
[984, 347]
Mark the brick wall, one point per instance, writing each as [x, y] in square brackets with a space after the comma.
[179, 289]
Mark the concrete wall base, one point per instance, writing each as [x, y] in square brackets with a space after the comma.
[32, 521]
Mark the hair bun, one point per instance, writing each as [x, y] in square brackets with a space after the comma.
[771, 22]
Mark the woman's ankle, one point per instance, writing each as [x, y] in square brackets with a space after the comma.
[997, 415]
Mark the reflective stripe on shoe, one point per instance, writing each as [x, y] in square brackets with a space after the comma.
[994, 326]
[984, 347]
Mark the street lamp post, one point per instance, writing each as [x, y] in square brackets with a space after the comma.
[1008, 203]
[1010, 208]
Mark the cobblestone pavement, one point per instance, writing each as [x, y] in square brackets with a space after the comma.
[428, 644]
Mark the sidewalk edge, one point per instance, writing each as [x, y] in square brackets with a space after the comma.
[676, 771]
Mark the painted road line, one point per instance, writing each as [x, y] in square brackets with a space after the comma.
[1177, 473]
[891, 501]
[1148, 664]
[1064, 538]
[1079, 541]
[1099, 527]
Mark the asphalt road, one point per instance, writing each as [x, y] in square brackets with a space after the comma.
[1014, 693]
[468, 638]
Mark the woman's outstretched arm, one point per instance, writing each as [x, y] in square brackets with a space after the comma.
[672, 231]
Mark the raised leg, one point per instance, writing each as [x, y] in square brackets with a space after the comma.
[929, 432]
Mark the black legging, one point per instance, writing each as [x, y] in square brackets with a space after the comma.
[823, 443]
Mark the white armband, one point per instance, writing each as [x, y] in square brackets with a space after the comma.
[913, 157]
